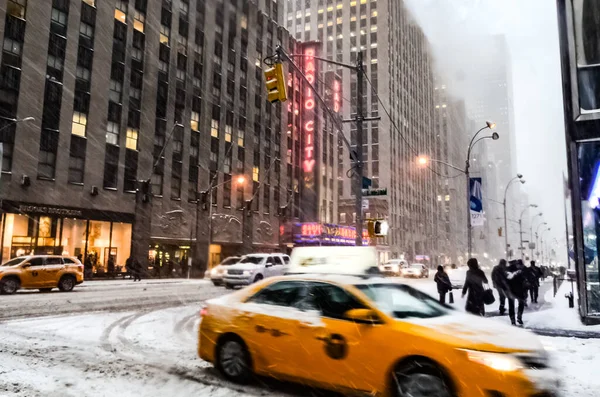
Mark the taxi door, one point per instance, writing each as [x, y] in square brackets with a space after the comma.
[32, 273]
[341, 352]
[53, 269]
[268, 323]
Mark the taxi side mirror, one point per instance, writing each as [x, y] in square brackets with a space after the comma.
[366, 316]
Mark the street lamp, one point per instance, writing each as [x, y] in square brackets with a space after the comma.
[542, 241]
[240, 180]
[15, 121]
[521, 228]
[537, 235]
[531, 230]
[494, 136]
[519, 178]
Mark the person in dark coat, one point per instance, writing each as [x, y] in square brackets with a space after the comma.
[129, 266]
[474, 286]
[517, 290]
[500, 282]
[534, 274]
[111, 267]
[184, 267]
[443, 283]
[137, 270]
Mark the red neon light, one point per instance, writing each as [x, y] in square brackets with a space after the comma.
[337, 97]
[309, 104]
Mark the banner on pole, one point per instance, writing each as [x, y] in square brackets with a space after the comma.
[476, 202]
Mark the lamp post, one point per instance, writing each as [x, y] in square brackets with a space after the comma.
[542, 241]
[536, 237]
[422, 160]
[494, 136]
[240, 180]
[521, 229]
[516, 178]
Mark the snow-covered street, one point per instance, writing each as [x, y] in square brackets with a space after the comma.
[150, 350]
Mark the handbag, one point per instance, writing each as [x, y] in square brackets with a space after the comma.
[488, 295]
[451, 297]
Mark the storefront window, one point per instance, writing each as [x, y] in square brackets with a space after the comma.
[120, 245]
[74, 237]
[589, 168]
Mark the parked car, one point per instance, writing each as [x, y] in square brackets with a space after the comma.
[42, 272]
[457, 276]
[255, 267]
[417, 270]
[393, 267]
[216, 273]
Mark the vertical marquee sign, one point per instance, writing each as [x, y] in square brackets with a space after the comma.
[310, 136]
[333, 91]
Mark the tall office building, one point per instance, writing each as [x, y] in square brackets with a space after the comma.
[124, 91]
[451, 122]
[399, 68]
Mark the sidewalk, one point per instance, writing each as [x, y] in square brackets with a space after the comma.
[148, 281]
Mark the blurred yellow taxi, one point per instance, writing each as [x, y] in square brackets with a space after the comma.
[42, 272]
[363, 334]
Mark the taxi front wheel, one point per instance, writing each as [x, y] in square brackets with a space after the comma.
[233, 360]
[420, 378]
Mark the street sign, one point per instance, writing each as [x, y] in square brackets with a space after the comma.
[365, 204]
[375, 192]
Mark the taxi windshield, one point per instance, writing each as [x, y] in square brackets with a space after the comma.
[401, 301]
[252, 259]
[14, 261]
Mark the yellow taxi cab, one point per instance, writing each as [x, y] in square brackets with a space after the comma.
[42, 272]
[361, 334]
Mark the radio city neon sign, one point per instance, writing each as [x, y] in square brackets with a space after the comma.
[337, 96]
[309, 105]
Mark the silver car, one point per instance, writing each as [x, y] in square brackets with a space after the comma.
[216, 273]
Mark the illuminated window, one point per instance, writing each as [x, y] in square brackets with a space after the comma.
[373, 60]
[228, 131]
[132, 138]
[339, 20]
[353, 19]
[214, 128]
[195, 121]
[320, 11]
[255, 173]
[353, 3]
[79, 123]
[244, 22]
[112, 133]
[165, 34]
[16, 8]
[307, 26]
[329, 9]
[240, 138]
[121, 11]
[339, 6]
[373, 28]
[139, 20]
[90, 2]
[374, 13]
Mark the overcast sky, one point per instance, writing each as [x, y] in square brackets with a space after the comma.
[531, 30]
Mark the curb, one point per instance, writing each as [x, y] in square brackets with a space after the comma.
[565, 333]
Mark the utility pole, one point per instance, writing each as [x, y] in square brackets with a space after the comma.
[359, 148]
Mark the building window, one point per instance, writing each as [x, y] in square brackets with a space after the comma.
[111, 167]
[86, 30]
[121, 11]
[214, 128]
[55, 63]
[165, 34]
[228, 131]
[90, 2]
[48, 148]
[116, 89]
[132, 138]
[77, 159]
[176, 180]
[79, 123]
[195, 121]
[112, 133]
[12, 46]
[240, 138]
[16, 8]
[139, 20]
[59, 17]
[255, 173]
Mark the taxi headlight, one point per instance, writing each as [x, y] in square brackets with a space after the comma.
[214, 272]
[499, 361]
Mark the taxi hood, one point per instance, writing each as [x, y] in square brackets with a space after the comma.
[480, 333]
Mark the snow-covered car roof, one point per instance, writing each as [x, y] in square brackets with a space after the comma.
[344, 279]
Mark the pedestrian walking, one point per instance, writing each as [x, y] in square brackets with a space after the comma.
[129, 266]
[170, 267]
[500, 282]
[534, 274]
[517, 290]
[137, 276]
[474, 287]
[111, 267]
[443, 283]
[184, 267]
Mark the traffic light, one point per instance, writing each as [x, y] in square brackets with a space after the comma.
[371, 228]
[276, 83]
[377, 228]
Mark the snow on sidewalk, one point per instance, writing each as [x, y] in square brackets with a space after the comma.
[556, 315]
